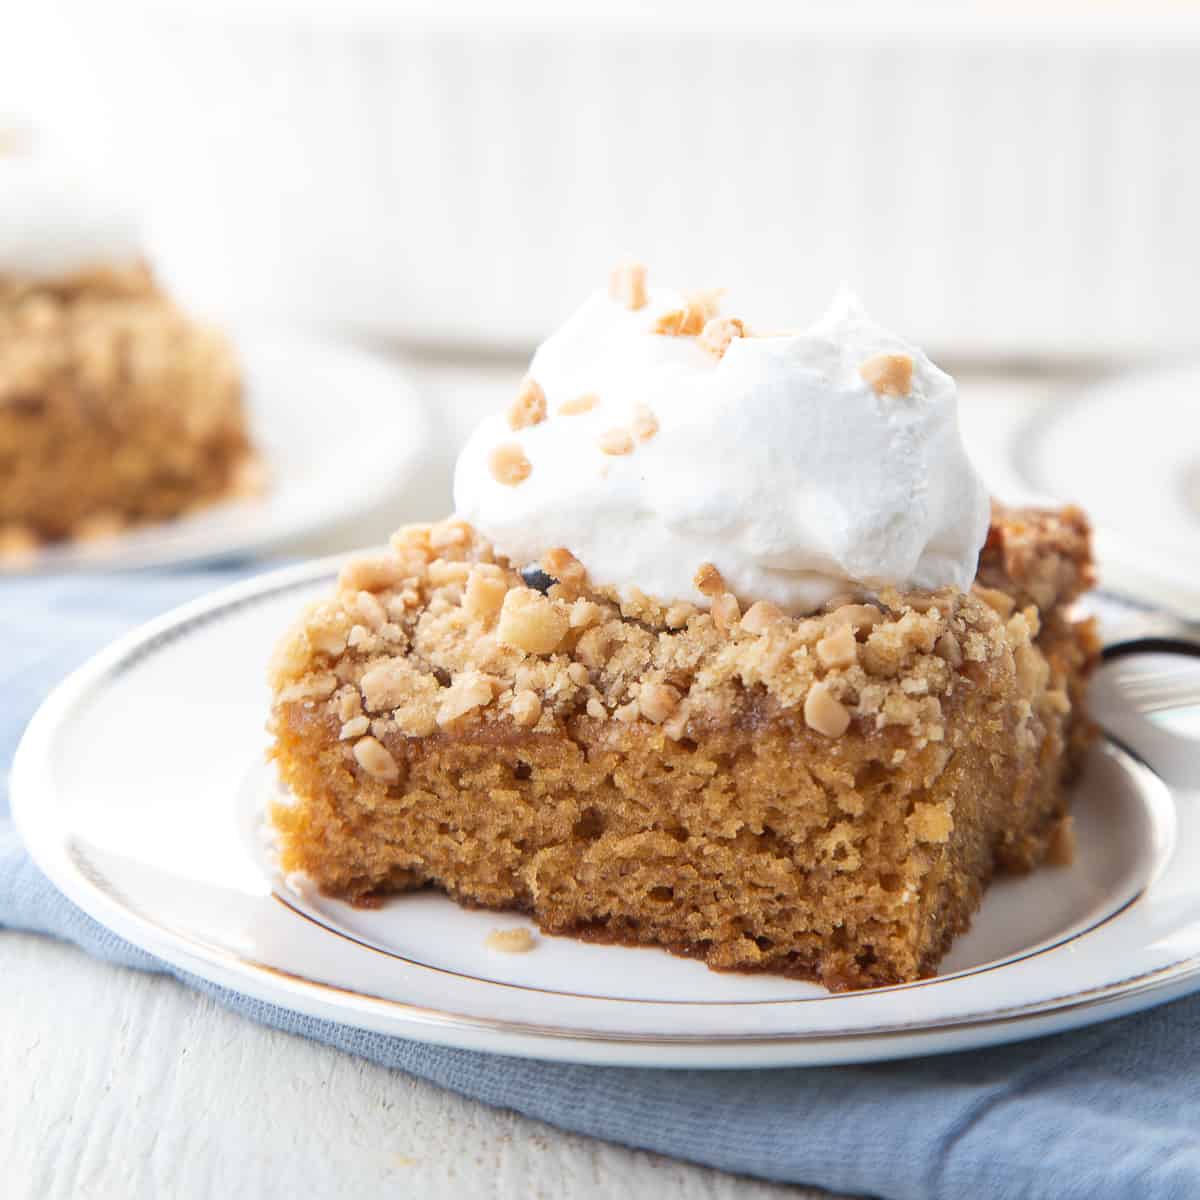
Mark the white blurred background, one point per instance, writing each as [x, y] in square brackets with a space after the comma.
[1015, 186]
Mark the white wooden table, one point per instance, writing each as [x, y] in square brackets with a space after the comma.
[119, 1084]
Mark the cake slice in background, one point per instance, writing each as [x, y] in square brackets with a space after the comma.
[115, 407]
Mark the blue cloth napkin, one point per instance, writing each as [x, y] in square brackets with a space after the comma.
[1111, 1111]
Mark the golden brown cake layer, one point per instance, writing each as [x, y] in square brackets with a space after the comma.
[114, 407]
[824, 797]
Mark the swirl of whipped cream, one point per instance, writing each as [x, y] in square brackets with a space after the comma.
[801, 465]
[57, 220]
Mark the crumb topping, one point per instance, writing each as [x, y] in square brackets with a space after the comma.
[440, 632]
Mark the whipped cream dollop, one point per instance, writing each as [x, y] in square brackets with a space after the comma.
[801, 465]
[58, 219]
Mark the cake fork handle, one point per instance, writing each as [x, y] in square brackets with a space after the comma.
[1153, 634]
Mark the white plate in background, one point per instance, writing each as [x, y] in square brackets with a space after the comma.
[1127, 450]
[339, 429]
[138, 794]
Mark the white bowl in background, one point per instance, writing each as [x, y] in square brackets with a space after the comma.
[992, 181]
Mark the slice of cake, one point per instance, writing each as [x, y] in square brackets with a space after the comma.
[808, 756]
[115, 408]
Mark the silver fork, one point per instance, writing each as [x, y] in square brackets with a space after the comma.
[1176, 688]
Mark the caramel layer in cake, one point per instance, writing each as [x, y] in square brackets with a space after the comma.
[114, 408]
[824, 797]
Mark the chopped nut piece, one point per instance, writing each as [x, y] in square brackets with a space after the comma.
[698, 309]
[1032, 619]
[1032, 670]
[485, 592]
[449, 533]
[584, 614]
[469, 691]
[1000, 602]
[371, 573]
[860, 616]
[370, 609]
[526, 708]
[416, 720]
[593, 648]
[838, 648]
[376, 760]
[312, 687]
[578, 674]
[596, 710]
[511, 941]
[627, 285]
[719, 332]
[761, 616]
[531, 622]
[824, 712]
[355, 727]
[658, 701]
[562, 565]
[581, 404]
[529, 408]
[388, 683]
[326, 639]
[708, 580]
[644, 425]
[349, 704]
[675, 726]
[947, 647]
[627, 713]
[615, 441]
[413, 539]
[443, 572]
[509, 465]
[888, 374]
[726, 611]
[678, 615]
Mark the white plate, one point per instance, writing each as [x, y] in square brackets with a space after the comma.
[339, 428]
[138, 784]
